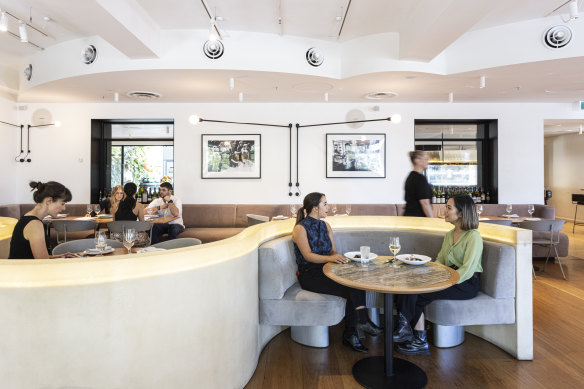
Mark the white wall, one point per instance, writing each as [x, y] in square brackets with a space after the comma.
[564, 160]
[9, 148]
[63, 154]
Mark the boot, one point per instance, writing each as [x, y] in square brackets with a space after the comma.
[403, 332]
[368, 328]
[352, 340]
[417, 346]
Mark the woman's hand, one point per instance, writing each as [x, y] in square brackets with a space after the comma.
[338, 258]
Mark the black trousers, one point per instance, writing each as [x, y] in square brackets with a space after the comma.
[412, 305]
[312, 278]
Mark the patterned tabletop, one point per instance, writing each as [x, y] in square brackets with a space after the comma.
[378, 276]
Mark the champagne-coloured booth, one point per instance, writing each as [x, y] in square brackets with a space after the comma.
[181, 318]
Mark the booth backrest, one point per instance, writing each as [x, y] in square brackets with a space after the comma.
[269, 210]
[276, 268]
[18, 210]
[209, 215]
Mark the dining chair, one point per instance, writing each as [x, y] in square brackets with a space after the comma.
[79, 245]
[256, 219]
[553, 227]
[500, 222]
[65, 226]
[116, 229]
[177, 243]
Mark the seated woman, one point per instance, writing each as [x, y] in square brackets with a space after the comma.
[461, 250]
[130, 209]
[314, 246]
[29, 238]
[116, 196]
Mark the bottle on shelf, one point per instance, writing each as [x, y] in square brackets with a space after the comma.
[434, 190]
[144, 196]
[150, 195]
[483, 196]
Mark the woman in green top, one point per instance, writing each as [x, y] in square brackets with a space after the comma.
[462, 250]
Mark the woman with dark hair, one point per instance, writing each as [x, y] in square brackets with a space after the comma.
[314, 246]
[28, 238]
[128, 208]
[418, 191]
[461, 250]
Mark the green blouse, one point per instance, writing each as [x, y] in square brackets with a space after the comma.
[466, 253]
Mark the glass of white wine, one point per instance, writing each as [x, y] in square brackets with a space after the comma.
[334, 209]
[129, 238]
[509, 209]
[479, 209]
[100, 241]
[394, 247]
[348, 209]
[530, 210]
[293, 211]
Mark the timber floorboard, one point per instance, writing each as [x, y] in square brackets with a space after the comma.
[558, 332]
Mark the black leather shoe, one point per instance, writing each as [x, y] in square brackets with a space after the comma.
[353, 341]
[368, 328]
[403, 332]
[417, 346]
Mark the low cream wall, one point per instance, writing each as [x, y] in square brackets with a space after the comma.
[178, 319]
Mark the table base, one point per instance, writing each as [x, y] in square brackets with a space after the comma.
[370, 372]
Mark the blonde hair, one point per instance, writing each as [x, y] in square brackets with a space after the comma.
[416, 154]
[114, 191]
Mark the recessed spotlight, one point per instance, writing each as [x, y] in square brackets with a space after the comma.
[380, 95]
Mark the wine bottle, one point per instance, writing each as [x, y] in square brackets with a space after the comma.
[144, 196]
[150, 195]
[434, 195]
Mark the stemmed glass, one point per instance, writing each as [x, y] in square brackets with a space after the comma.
[479, 209]
[89, 210]
[100, 241]
[293, 210]
[530, 210]
[509, 209]
[348, 209]
[129, 238]
[97, 209]
[394, 247]
[334, 209]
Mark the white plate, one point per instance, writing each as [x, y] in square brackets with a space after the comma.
[511, 215]
[351, 256]
[279, 217]
[104, 216]
[422, 259]
[107, 250]
[61, 215]
[151, 216]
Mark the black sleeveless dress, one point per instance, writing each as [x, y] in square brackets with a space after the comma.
[19, 245]
[123, 213]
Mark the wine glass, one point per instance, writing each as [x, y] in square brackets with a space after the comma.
[89, 210]
[100, 241]
[479, 209]
[394, 247]
[509, 209]
[530, 210]
[293, 210]
[129, 238]
[334, 209]
[97, 209]
[348, 209]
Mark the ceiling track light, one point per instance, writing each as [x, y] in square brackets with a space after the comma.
[580, 129]
[212, 19]
[326, 96]
[241, 97]
[451, 97]
[482, 82]
[231, 83]
[3, 22]
[22, 32]
[116, 97]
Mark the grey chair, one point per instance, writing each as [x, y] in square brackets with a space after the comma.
[500, 222]
[65, 226]
[79, 245]
[256, 219]
[118, 227]
[177, 243]
[554, 227]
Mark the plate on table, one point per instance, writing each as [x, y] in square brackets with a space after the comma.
[104, 216]
[151, 216]
[107, 250]
[279, 217]
[510, 215]
[413, 259]
[356, 256]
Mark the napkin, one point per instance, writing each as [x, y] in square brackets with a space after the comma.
[84, 218]
[341, 214]
[150, 249]
[511, 215]
[532, 219]
[279, 217]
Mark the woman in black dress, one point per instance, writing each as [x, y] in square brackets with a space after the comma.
[117, 195]
[314, 246]
[128, 208]
[28, 238]
[418, 191]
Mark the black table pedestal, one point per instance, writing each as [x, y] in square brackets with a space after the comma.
[388, 372]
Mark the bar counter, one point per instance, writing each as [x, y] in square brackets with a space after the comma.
[181, 318]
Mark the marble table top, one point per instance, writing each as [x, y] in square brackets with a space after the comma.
[377, 276]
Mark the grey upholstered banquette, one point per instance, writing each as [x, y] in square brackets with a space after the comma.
[283, 302]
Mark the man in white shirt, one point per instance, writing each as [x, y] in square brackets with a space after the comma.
[167, 205]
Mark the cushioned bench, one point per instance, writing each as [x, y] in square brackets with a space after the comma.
[283, 302]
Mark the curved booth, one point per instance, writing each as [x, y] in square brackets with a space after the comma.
[180, 318]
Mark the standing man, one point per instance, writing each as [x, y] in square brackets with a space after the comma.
[167, 205]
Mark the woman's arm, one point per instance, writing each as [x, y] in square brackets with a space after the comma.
[301, 239]
[442, 257]
[331, 237]
[426, 207]
[139, 211]
[473, 253]
[34, 232]
[114, 209]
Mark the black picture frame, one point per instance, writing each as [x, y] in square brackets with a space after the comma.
[231, 156]
[356, 155]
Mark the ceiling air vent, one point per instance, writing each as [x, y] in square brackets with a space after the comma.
[380, 95]
[557, 37]
[314, 57]
[142, 95]
[213, 49]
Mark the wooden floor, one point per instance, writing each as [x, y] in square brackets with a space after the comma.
[558, 346]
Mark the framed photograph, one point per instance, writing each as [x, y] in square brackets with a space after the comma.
[231, 156]
[355, 155]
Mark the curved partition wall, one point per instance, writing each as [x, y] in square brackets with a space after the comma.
[182, 318]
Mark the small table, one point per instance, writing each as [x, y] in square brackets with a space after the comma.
[387, 371]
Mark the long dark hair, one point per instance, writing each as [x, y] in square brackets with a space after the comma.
[129, 202]
[311, 200]
[465, 206]
[52, 189]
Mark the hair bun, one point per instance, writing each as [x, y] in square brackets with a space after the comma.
[35, 184]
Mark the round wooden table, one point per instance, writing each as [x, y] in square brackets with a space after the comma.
[387, 371]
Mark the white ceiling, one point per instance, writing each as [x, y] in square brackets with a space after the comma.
[425, 27]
